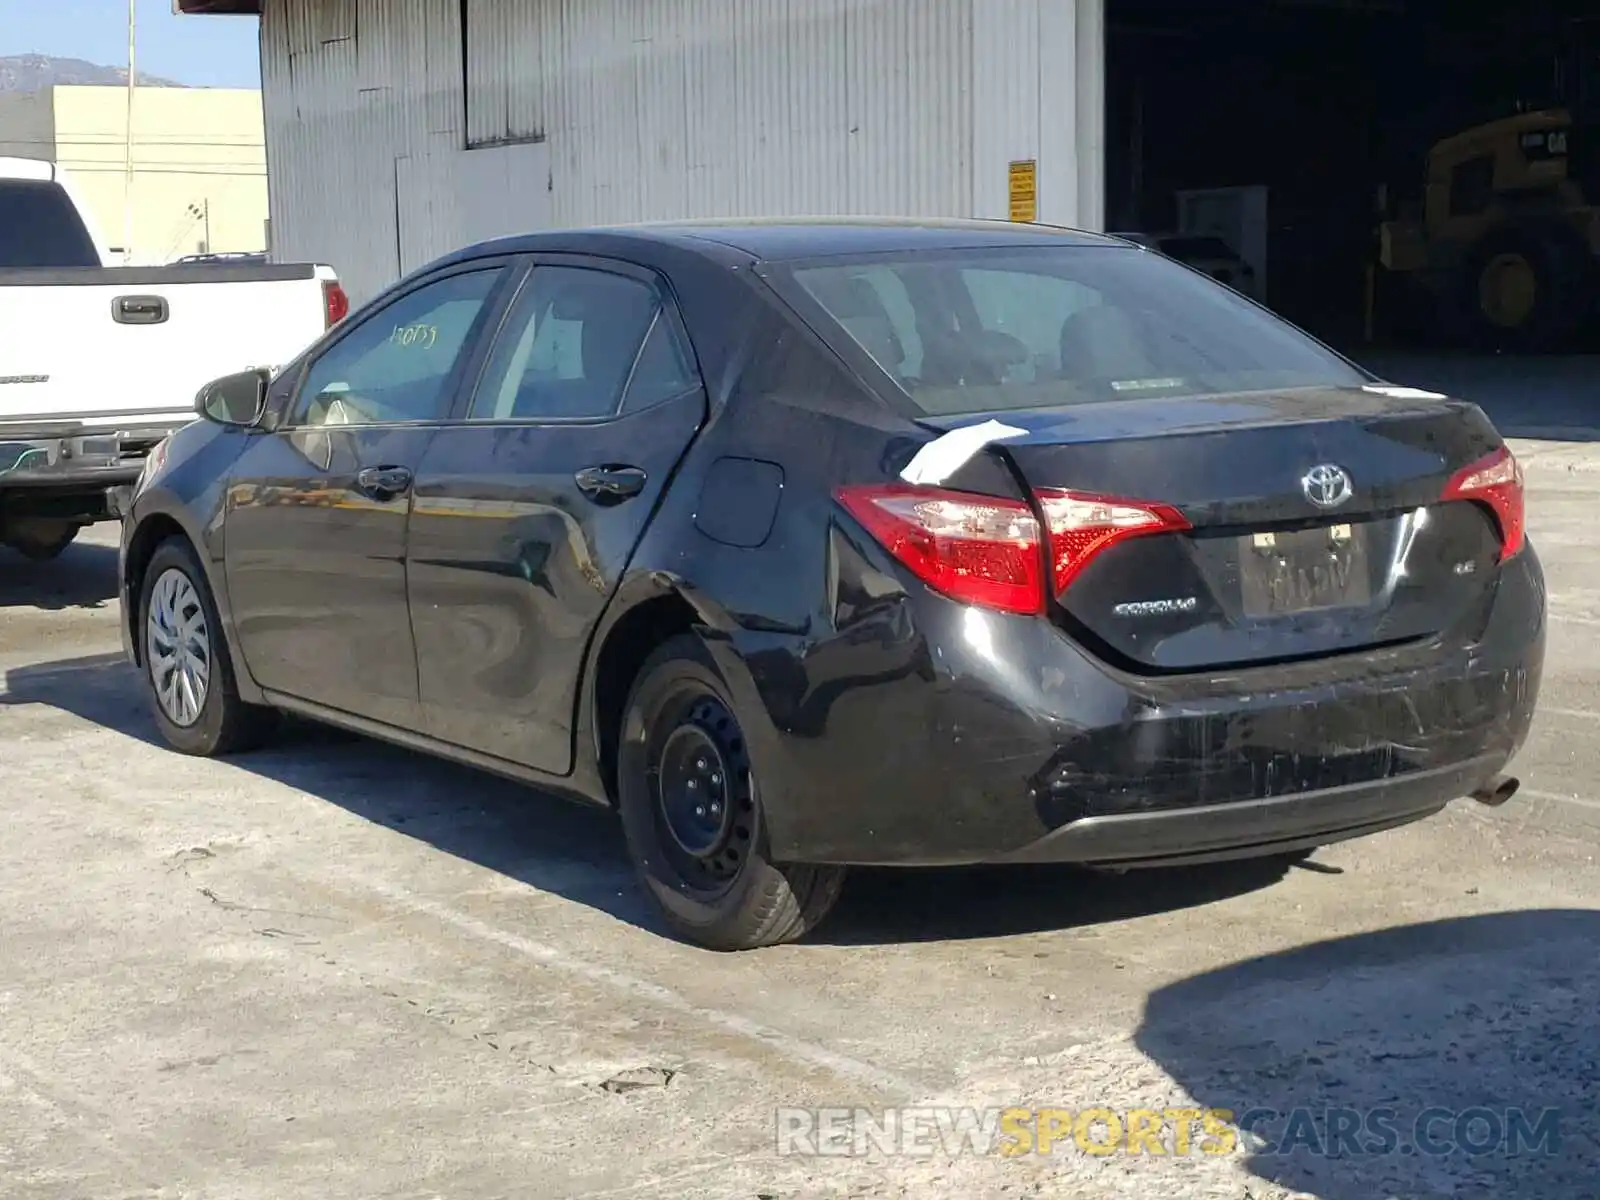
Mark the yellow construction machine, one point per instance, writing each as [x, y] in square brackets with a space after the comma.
[1505, 251]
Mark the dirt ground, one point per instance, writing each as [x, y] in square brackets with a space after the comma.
[335, 969]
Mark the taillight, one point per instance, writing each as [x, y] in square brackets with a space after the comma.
[1082, 526]
[1495, 481]
[336, 303]
[980, 550]
[985, 550]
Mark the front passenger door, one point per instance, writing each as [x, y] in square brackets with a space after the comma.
[315, 530]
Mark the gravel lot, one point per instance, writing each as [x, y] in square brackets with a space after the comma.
[335, 969]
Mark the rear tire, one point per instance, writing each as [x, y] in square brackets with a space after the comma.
[692, 817]
[187, 669]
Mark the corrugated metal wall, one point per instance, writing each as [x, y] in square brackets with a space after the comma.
[724, 107]
[653, 109]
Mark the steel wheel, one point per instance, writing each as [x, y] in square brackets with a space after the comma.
[178, 648]
[692, 811]
[700, 777]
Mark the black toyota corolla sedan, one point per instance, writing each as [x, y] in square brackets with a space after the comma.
[811, 544]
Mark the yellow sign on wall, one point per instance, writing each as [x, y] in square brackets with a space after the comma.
[1024, 190]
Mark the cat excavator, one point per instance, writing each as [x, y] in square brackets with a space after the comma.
[1505, 252]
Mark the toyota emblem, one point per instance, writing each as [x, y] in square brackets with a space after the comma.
[1326, 486]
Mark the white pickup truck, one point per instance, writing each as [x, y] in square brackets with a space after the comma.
[98, 363]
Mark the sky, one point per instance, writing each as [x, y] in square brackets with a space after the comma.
[200, 51]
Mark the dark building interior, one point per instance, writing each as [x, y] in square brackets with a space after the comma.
[1322, 103]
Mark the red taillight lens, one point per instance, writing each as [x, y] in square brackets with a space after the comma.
[985, 550]
[1082, 526]
[336, 302]
[980, 550]
[1495, 481]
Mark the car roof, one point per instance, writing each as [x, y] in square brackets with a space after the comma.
[777, 239]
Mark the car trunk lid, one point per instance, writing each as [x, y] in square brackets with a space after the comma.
[1287, 525]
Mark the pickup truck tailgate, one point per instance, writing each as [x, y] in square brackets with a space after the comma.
[102, 347]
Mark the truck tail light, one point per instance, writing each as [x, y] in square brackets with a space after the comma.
[335, 302]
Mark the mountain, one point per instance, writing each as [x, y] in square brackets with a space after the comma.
[35, 72]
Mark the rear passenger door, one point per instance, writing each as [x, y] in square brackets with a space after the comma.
[528, 505]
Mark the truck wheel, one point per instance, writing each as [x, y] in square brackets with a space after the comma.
[1525, 287]
[691, 812]
[186, 664]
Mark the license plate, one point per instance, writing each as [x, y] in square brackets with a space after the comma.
[1305, 571]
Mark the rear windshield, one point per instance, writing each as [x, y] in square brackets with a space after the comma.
[39, 227]
[979, 330]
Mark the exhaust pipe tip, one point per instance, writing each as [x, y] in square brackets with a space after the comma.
[1497, 792]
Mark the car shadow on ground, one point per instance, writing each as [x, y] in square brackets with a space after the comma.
[85, 576]
[576, 851]
[1456, 1058]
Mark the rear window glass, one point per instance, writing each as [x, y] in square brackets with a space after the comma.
[40, 228]
[982, 330]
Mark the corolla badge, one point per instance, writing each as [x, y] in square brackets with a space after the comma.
[1157, 608]
[1326, 485]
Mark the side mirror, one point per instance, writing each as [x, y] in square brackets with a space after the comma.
[235, 400]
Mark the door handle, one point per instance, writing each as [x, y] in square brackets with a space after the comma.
[610, 483]
[139, 310]
[383, 483]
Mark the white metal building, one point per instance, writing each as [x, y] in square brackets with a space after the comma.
[400, 129]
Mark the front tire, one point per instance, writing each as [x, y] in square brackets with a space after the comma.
[187, 669]
[691, 812]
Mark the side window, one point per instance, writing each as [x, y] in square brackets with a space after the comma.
[397, 364]
[1472, 187]
[568, 347]
[662, 370]
[1023, 316]
[39, 227]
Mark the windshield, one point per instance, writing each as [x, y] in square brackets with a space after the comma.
[979, 330]
[39, 227]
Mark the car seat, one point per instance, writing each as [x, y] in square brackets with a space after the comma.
[855, 304]
[1101, 343]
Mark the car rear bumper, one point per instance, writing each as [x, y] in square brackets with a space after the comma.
[1266, 825]
[936, 734]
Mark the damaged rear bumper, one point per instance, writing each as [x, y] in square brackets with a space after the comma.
[1248, 828]
[984, 738]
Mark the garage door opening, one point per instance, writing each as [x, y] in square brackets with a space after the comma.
[1301, 145]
